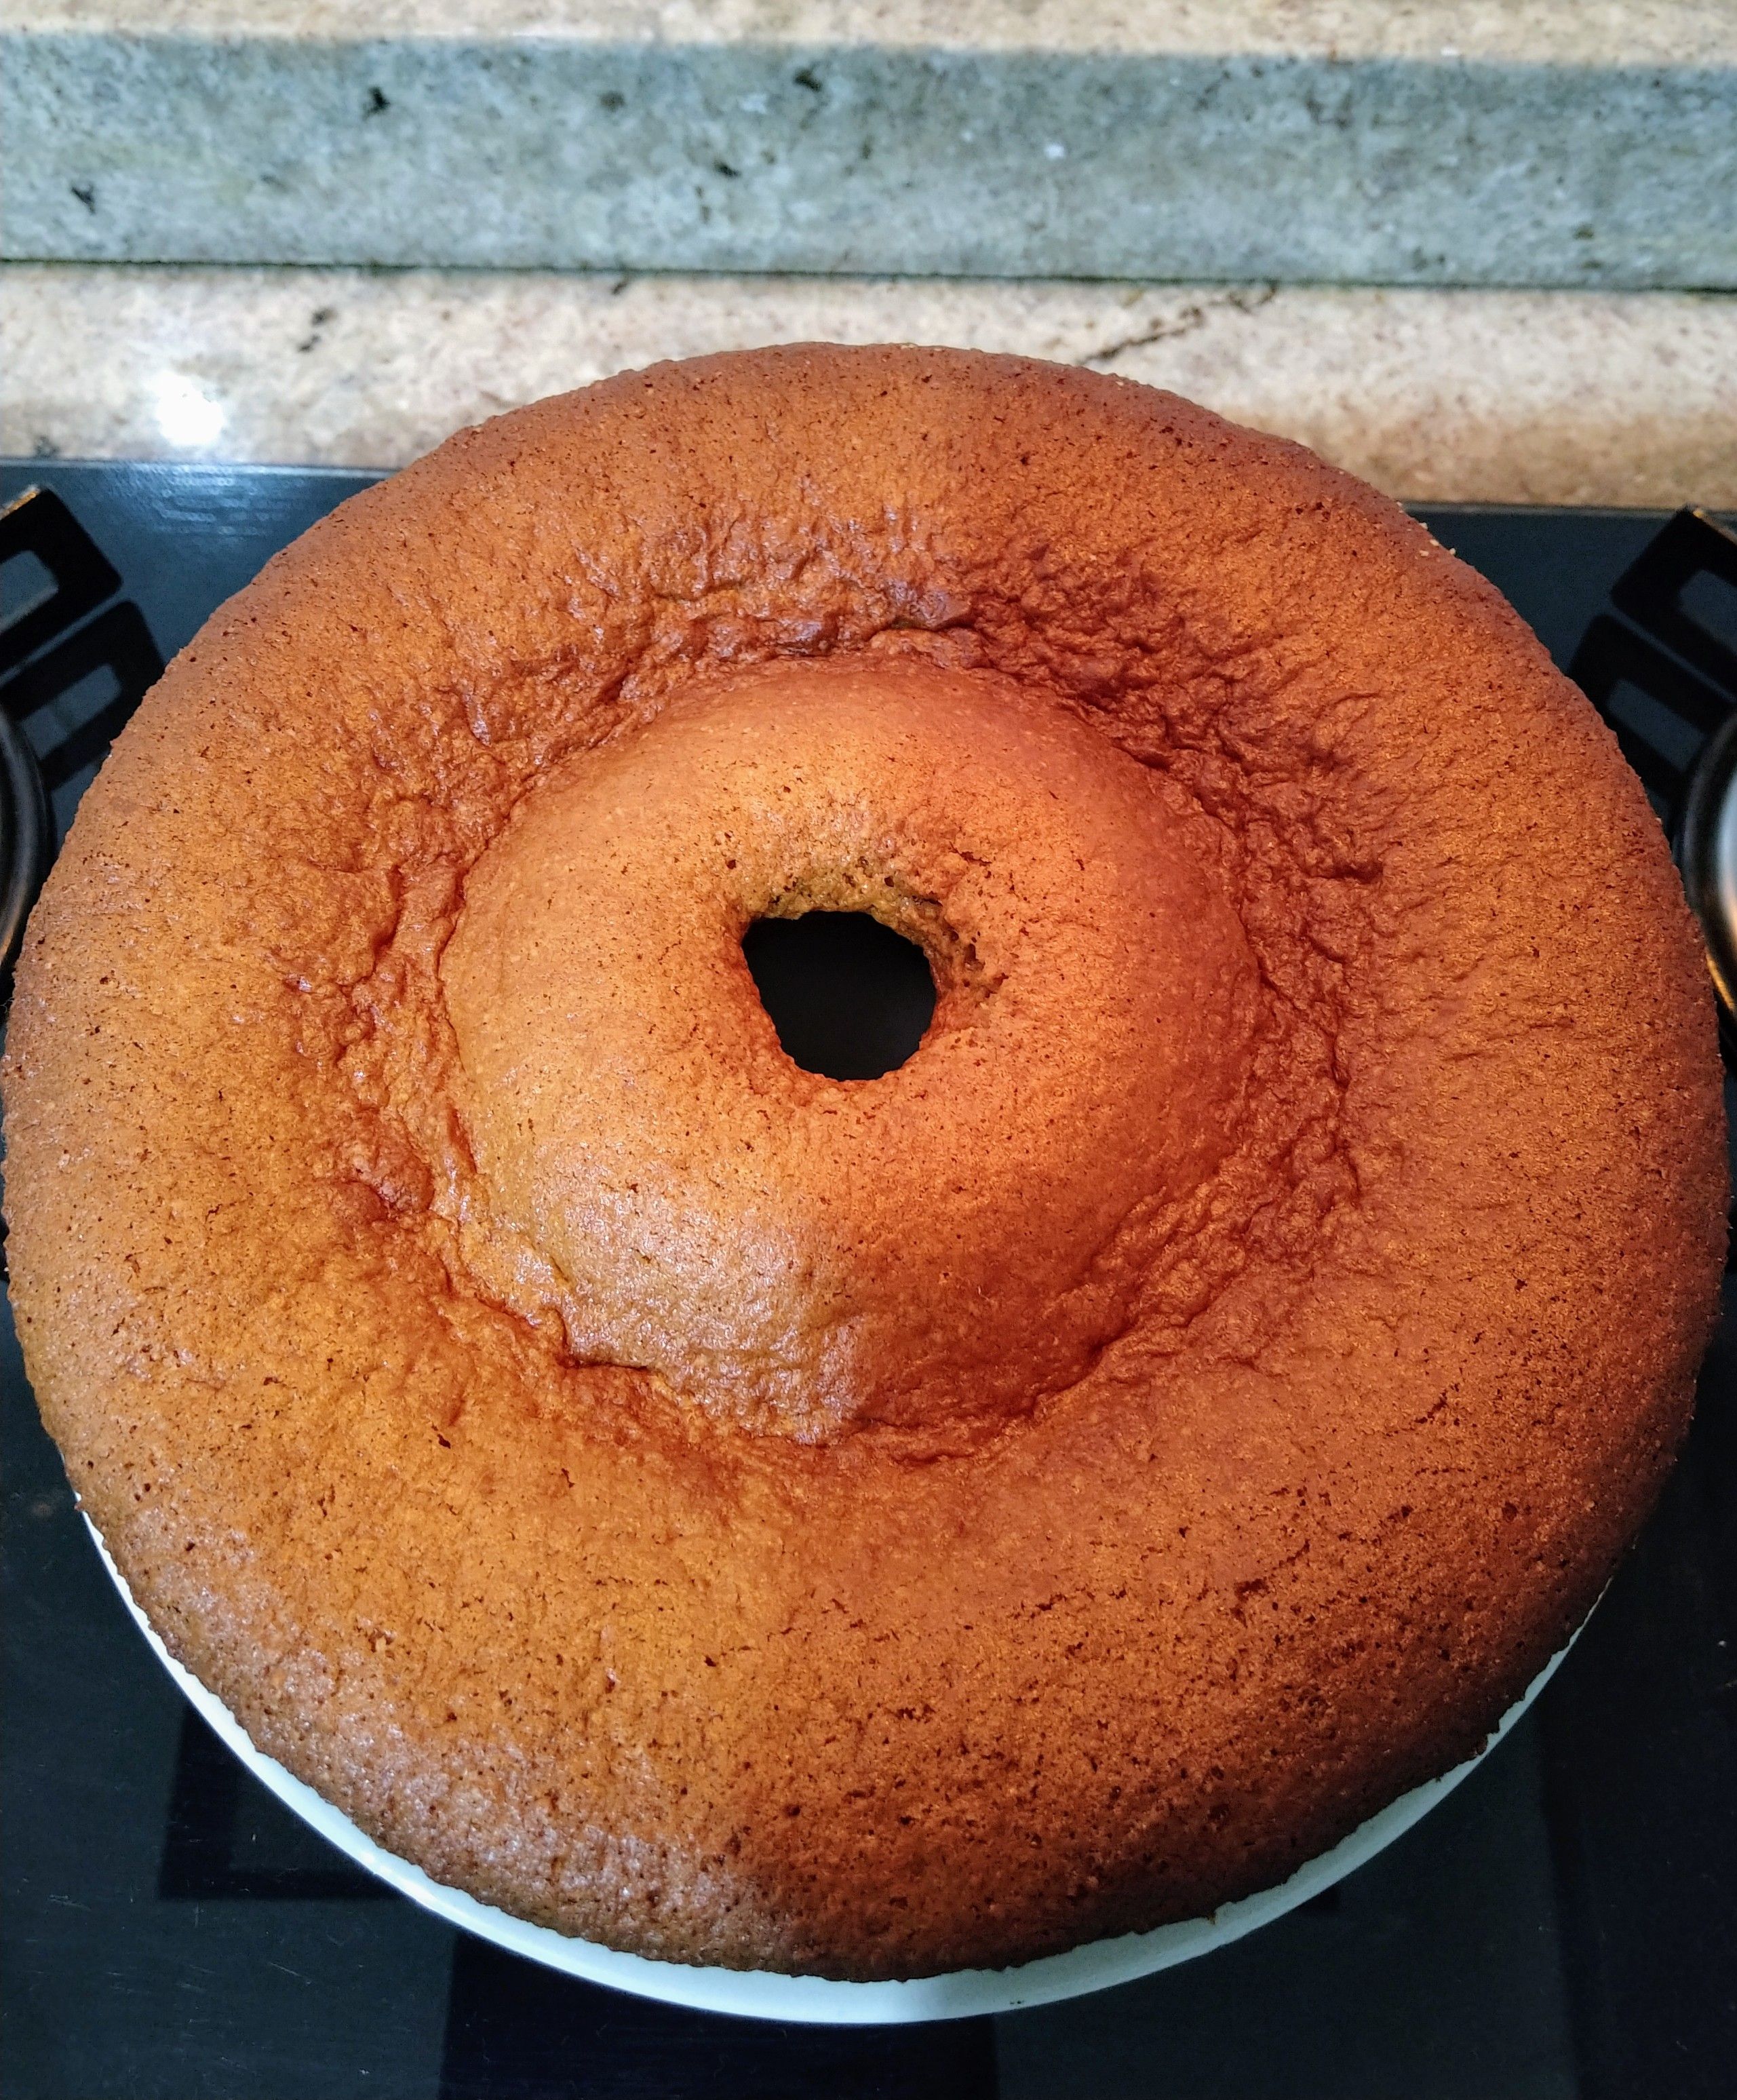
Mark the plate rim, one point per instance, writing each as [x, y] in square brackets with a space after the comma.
[819, 2000]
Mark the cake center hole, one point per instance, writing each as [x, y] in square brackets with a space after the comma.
[849, 998]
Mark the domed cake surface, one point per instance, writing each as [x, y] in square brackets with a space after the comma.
[808, 1256]
[864, 1527]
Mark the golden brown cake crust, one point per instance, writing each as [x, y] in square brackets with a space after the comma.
[942, 1668]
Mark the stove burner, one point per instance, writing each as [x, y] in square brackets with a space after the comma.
[1706, 854]
[1666, 683]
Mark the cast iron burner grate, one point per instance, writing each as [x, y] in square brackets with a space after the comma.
[81, 678]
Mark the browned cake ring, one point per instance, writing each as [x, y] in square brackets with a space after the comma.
[864, 1527]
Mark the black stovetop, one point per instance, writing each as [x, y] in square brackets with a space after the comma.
[1565, 1925]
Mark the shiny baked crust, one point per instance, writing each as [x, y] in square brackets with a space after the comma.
[1260, 1470]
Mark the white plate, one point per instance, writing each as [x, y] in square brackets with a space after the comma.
[760, 1995]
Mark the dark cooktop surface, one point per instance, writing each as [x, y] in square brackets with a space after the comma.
[1565, 1925]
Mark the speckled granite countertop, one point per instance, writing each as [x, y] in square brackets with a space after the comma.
[1435, 396]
